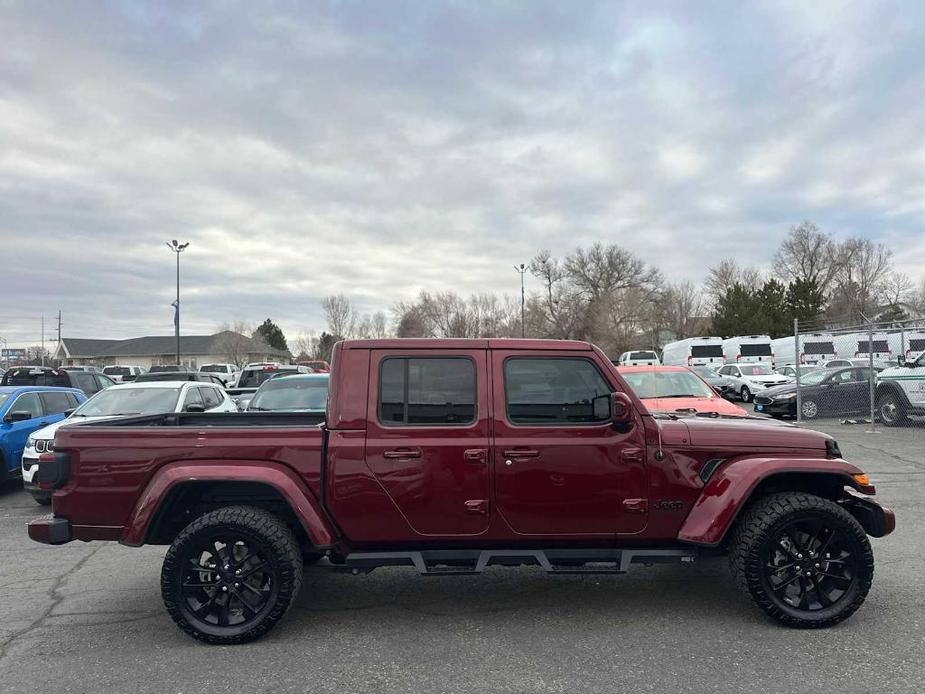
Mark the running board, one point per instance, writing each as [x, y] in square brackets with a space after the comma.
[556, 561]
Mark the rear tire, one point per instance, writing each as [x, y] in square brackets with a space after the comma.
[891, 410]
[802, 559]
[231, 575]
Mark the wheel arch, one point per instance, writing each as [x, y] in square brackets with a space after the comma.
[888, 386]
[737, 485]
[179, 493]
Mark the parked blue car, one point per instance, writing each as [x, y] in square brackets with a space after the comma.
[23, 409]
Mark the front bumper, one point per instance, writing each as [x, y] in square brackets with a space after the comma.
[776, 407]
[876, 520]
[50, 530]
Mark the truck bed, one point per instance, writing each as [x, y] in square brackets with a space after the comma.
[111, 463]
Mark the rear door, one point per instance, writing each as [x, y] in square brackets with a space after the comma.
[428, 437]
[559, 470]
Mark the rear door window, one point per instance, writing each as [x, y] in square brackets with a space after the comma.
[193, 397]
[552, 391]
[55, 403]
[427, 390]
[211, 398]
[86, 382]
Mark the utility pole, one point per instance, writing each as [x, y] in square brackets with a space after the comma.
[58, 348]
[523, 299]
[177, 248]
[43, 339]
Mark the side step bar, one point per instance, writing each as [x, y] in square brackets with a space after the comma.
[556, 561]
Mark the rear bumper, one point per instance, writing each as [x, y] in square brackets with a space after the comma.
[50, 530]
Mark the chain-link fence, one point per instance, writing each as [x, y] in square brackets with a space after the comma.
[870, 375]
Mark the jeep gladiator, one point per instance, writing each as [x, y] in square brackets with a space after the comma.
[453, 455]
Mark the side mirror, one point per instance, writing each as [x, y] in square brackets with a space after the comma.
[193, 407]
[901, 360]
[17, 416]
[68, 413]
[621, 408]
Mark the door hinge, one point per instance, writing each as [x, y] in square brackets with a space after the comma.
[635, 505]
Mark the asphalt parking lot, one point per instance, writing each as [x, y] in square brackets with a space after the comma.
[88, 618]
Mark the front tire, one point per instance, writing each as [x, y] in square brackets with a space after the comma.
[745, 394]
[809, 409]
[231, 575]
[42, 499]
[802, 559]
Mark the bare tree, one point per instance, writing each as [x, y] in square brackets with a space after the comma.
[808, 255]
[864, 268]
[233, 345]
[723, 276]
[679, 306]
[339, 314]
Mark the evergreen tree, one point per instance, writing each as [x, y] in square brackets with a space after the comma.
[270, 332]
[738, 312]
[805, 301]
[775, 315]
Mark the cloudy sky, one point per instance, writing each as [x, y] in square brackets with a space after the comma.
[381, 148]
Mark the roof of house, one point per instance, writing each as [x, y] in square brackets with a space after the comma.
[155, 345]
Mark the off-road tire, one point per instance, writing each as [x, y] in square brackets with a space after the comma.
[899, 410]
[277, 545]
[745, 394]
[756, 531]
[42, 499]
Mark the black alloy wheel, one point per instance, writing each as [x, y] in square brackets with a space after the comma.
[231, 574]
[804, 560]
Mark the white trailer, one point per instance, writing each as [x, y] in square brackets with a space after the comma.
[814, 349]
[694, 351]
[748, 349]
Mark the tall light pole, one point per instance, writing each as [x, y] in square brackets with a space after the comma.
[523, 299]
[177, 248]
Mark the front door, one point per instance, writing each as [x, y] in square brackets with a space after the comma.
[559, 470]
[428, 438]
[18, 432]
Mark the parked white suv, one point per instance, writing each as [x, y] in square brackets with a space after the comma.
[228, 373]
[124, 400]
[123, 373]
[748, 379]
[901, 391]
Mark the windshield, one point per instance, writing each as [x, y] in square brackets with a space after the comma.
[818, 348]
[814, 378]
[214, 368]
[756, 369]
[117, 371]
[108, 403]
[705, 372]
[702, 351]
[291, 394]
[668, 384]
[252, 379]
[3, 398]
[755, 350]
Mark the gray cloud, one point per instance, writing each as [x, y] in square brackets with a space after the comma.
[377, 149]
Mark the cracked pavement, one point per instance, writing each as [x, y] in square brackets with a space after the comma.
[89, 618]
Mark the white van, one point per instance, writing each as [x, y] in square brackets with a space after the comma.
[639, 357]
[815, 348]
[858, 345]
[748, 349]
[911, 343]
[694, 351]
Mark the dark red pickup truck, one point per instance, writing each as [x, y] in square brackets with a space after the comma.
[453, 455]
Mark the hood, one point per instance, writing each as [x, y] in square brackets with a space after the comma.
[684, 405]
[789, 387]
[750, 434]
[48, 432]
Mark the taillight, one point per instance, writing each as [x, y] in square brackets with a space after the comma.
[690, 360]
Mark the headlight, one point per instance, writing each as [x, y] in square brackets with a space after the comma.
[30, 442]
[785, 396]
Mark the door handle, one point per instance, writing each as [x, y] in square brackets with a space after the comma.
[399, 453]
[475, 455]
[522, 453]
